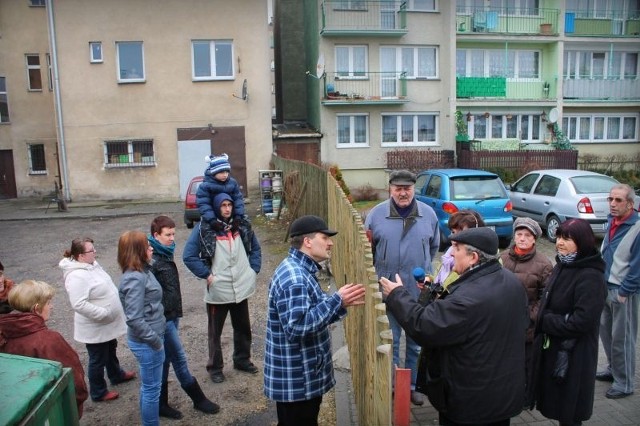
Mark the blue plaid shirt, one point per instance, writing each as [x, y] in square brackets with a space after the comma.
[297, 361]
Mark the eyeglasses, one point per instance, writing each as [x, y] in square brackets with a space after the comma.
[616, 199]
[89, 251]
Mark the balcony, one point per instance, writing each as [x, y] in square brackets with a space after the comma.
[365, 88]
[347, 18]
[585, 90]
[505, 88]
[507, 20]
[601, 23]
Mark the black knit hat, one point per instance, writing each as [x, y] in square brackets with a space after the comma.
[482, 238]
[310, 224]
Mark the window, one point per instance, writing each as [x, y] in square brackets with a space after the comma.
[350, 5]
[4, 102]
[34, 78]
[415, 62]
[212, 60]
[409, 129]
[526, 127]
[601, 128]
[422, 5]
[600, 65]
[353, 130]
[36, 3]
[351, 61]
[129, 153]
[95, 52]
[130, 58]
[498, 63]
[49, 71]
[37, 164]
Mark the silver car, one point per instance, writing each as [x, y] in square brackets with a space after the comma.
[552, 196]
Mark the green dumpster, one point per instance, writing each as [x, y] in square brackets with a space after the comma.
[36, 392]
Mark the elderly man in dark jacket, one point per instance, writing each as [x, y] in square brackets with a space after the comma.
[473, 335]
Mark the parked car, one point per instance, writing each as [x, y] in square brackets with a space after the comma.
[191, 213]
[450, 190]
[552, 196]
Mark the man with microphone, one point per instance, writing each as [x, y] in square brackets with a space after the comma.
[404, 236]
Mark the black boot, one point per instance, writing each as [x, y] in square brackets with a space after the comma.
[200, 402]
[165, 409]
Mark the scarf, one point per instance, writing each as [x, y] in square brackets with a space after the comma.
[566, 259]
[404, 211]
[160, 248]
[521, 252]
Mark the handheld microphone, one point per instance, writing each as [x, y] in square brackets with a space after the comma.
[419, 274]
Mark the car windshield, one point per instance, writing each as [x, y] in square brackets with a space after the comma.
[592, 184]
[477, 188]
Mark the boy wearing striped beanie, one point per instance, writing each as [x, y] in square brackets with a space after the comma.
[217, 179]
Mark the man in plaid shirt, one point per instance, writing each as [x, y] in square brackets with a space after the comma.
[298, 368]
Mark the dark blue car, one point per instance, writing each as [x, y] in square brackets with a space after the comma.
[450, 190]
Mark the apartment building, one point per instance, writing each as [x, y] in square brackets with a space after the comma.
[387, 75]
[139, 93]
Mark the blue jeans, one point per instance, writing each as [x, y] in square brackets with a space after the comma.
[618, 332]
[412, 349]
[101, 356]
[150, 362]
[174, 355]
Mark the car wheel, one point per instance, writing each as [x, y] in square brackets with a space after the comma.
[189, 224]
[444, 242]
[553, 223]
[503, 243]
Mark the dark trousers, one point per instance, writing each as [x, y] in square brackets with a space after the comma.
[101, 356]
[216, 316]
[299, 413]
[444, 421]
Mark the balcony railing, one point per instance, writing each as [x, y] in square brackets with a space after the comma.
[507, 20]
[601, 90]
[601, 23]
[354, 17]
[365, 87]
[505, 88]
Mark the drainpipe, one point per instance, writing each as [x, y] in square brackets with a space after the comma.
[62, 152]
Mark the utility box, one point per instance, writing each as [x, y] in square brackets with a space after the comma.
[36, 391]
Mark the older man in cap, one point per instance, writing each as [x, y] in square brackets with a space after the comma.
[532, 269]
[298, 367]
[404, 235]
[473, 335]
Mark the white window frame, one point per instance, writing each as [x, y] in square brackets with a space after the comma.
[571, 126]
[411, 6]
[531, 129]
[4, 96]
[138, 77]
[352, 142]
[33, 68]
[572, 64]
[415, 130]
[49, 72]
[32, 168]
[94, 56]
[486, 65]
[212, 60]
[115, 160]
[350, 71]
[414, 73]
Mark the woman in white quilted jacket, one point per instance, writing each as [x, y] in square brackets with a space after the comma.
[99, 318]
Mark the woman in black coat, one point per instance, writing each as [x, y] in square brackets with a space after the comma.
[566, 341]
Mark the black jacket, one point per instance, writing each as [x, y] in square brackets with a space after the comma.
[476, 337]
[166, 272]
[577, 291]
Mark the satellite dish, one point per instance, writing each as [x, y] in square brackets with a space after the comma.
[553, 115]
[245, 94]
[319, 67]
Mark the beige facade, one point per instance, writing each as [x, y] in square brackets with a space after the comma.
[124, 127]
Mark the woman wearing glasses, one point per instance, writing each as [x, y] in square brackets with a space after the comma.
[98, 319]
[141, 297]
